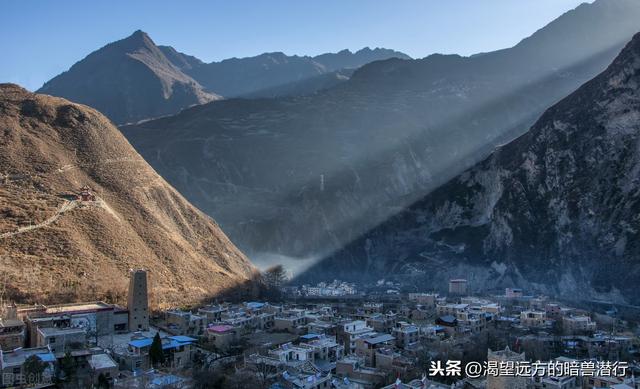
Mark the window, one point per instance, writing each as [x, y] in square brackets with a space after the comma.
[52, 340]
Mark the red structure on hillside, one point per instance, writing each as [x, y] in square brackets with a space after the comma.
[86, 194]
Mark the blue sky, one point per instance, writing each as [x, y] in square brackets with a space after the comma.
[42, 38]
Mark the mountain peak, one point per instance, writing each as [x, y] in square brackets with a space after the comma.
[130, 80]
[137, 40]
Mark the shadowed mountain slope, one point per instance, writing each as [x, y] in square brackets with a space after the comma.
[555, 211]
[302, 176]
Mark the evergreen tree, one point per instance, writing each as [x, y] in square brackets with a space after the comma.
[103, 382]
[155, 352]
[33, 369]
[68, 366]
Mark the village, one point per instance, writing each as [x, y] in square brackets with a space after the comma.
[325, 336]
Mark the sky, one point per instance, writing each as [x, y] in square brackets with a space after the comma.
[40, 39]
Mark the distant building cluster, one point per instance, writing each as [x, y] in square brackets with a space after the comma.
[344, 340]
[335, 288]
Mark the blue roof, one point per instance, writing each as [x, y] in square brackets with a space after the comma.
[183, 339]
[47, 357]
[447, 318]
[139, 343]
[255, 304]
[173, 344]
[310, 336]
[166, 380]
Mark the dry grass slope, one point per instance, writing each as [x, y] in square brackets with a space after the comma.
[53, 247]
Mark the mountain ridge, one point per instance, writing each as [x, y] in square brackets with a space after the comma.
[333, 164]
[134, 79]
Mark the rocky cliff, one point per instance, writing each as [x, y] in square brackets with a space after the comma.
[555, 211]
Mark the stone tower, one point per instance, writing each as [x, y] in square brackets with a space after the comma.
[138, 301]
[505, 382]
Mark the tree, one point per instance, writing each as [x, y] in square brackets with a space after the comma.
[68, 366]
[155, 352]
[33, 369]
[275, 276]
[204, 378]
[273, 279]
[103, 382]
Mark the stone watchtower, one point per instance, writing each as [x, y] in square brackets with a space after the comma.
[138, 301]
[505, 382]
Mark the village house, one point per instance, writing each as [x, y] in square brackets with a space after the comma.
[60, 340]
[322, 327]
[12, 334]
[213, 313]
[533, 319]
[406, 335]
[382, 322]
[102, 364]
[578, 325]
[348, 332]
[292, 321]
[177, 350]
[451, 309]
[12, 366]
[458, 287]
[366, 346]
[355, 374]
[185, 323]
[428, 300]
[222, 335]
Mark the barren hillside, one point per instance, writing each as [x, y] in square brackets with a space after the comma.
[54, 246]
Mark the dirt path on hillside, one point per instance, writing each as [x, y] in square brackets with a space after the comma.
[67, 206]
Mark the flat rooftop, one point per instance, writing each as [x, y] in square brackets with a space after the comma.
[17, 357]
[78, 307]
[54, 331]
[6, 323]
[379, 339]
[102, 361]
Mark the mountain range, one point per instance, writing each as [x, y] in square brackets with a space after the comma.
[133, 79]
[58, 247]
[238, 77]
[128, 80]
[301, 176]
[555, 211]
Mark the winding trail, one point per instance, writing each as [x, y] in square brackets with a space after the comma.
[67, 206]
[71, 204]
